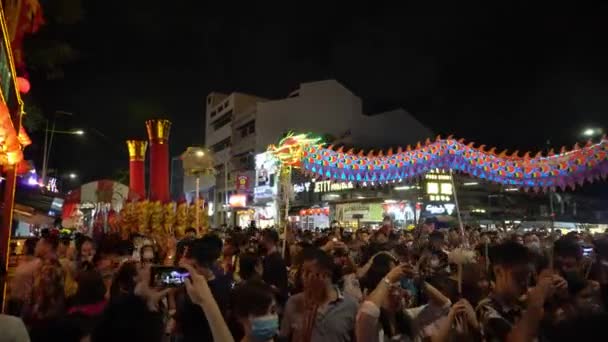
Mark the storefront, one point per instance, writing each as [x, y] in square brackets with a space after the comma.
[359, 214]
[312, 218]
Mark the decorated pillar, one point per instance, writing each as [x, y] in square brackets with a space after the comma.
[158, 136]
[137, 166]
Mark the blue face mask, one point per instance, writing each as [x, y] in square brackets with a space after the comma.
[265, 327]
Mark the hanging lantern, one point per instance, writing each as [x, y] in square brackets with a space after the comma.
[326, 210]
[309, 212]
[318, 211]
[23, 84]
[23, 137]
[303, 212]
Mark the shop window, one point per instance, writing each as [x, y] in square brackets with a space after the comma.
[222, 120]
[247, 129]
[221, 145]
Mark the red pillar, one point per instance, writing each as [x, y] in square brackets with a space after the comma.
[158, 136]
[137, 158]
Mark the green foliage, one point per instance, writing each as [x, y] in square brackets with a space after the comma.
[33, 120]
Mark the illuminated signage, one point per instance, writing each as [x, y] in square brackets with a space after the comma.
[238, 201]
[434, 176]
[440, 198]
[263, 192]
[242, 183]
[322, 186]
[440, 209]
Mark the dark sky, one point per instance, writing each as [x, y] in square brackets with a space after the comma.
[498, 73]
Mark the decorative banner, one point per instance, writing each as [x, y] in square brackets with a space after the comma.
[242, 183]
[566, 169]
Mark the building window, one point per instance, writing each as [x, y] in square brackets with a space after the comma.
[247, 161]
[222, 121]
[247, 129]
[221, 145]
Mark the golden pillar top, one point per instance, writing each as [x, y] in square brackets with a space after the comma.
[137, 149]
[158, 130]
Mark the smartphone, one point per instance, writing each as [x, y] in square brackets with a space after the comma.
[167, 276]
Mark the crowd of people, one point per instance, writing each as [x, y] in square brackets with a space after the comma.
[332, 285]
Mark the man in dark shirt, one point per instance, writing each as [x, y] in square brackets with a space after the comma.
[190, 318]
[501, 315]
[275, 271]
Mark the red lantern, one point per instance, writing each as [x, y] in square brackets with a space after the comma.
[23, 85]
[309, 212]
[318, 211]
[303, 212]
[326, 210]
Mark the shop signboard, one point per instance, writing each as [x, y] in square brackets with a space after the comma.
[371, 212]
[435, 208]
[242, 183]
[322, 186]
[238, 201]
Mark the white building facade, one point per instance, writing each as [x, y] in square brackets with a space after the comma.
[238, 127]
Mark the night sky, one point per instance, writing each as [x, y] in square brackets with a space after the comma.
[502, 74]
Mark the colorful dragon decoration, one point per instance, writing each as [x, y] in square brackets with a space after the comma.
[540, 172]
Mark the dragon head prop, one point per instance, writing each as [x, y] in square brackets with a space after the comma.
[290, 149]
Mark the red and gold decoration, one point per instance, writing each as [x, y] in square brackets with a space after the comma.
[23, 17]
[169, 217]
[181, 219]
[137, 158]
[158, 136]
[143, 216]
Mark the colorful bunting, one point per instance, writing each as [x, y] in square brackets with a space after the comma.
[538, 172]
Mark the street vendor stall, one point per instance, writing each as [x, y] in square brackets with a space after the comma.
[92, 207]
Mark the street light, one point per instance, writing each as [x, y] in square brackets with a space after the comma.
[48, 144]
[73, 175]
[592, 132]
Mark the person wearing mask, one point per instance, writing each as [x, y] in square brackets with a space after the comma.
[321, 312]
[274, 269]
[189, 317]
[435, 258]
[256, 311]
[501, 316]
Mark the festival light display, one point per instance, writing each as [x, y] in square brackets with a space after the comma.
[541, 172]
